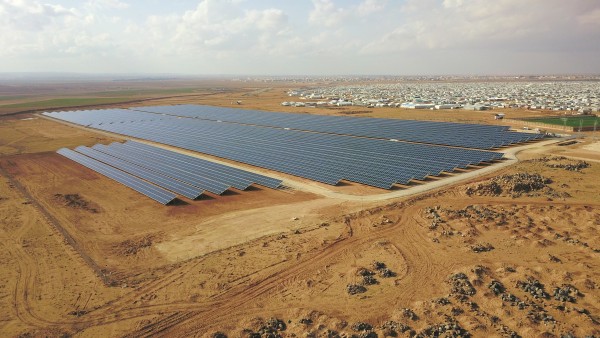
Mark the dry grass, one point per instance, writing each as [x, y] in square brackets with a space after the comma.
[35, 135]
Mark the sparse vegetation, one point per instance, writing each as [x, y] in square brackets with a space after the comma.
[190, 270]
[134, 246]
[75, 201]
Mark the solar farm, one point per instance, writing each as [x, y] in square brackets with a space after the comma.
[380, 153]
[450, 134]
[201, 220]
[131, 163]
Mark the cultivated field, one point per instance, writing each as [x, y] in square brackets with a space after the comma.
[512, 251]
[570, 121]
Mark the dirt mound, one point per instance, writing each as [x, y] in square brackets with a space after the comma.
[354, 289]
[461, 285]
[515, 185]
[449, 329]
[482, 247]
[273, 327]
[75, 201]
[562, 162]
[534, 287]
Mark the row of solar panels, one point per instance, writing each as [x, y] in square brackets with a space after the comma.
[321, 157]
[145, 168]
[107, 116]
[158, 194]
[444, 133]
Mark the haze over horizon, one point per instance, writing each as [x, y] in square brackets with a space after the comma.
[318, 37]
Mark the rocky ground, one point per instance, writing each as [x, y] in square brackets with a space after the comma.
[514, 253]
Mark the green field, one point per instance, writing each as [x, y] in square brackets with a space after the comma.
[66, 102]
[91, 99]
[153, 92]
[14, 97]
[571, 121]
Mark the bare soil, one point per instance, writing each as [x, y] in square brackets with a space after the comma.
[281, 262]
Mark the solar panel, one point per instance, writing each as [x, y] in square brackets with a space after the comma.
[317, 158]
[323, 157]
[443, 133]
[163, 168]
[185, 164]
[237, 177]
[148, 175]
[143, 187]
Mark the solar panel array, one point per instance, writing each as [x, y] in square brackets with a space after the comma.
[322, 157]
[158, 194]
[145, 168]
[237, 178]
[443, 133]
[167, 182]
[109, 116]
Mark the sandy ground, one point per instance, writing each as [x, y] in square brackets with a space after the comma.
[595, 146]
[117, 264]
[33, 135]
[119, 213]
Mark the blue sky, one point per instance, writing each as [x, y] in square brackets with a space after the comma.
[318, 37]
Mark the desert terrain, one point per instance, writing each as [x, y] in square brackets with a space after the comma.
[510, 250]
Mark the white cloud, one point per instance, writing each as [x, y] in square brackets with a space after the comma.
[326, 13]
[228, 36]
[481, 24]
[222, 25]
[30, 15]
[452, 3]
[590, 18]
[42, 33]
[267, 20]
[368, 7]
[107, 4]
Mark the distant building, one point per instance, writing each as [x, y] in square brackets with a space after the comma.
[417, 105]
[477, 107]
[447, 106]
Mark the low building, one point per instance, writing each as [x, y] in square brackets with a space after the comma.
[477, 107]
[447, 106]
[417, 105]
